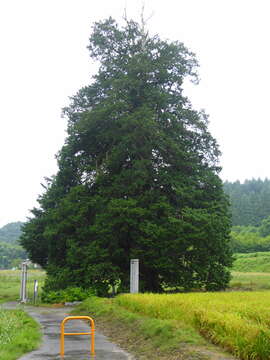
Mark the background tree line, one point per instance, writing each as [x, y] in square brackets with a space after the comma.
[250, 201]
[11, 253]
[250, 208]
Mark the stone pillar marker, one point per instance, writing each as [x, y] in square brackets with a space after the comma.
[23, 295]
[134, 276]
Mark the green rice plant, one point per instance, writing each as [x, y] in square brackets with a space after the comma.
[237, 321]
[244, 339]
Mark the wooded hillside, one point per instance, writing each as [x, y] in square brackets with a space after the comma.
[11, 254]
[250, 201]
[11, 232]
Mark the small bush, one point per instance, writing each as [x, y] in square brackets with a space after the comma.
[69, 294]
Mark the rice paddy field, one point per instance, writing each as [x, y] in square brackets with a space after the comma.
[237, 321]
[10, 282]
[250, 281]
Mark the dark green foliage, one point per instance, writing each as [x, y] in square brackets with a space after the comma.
[264, 229]
[246, 239]
[138, 176]
[33, 239]
[70, 294]
[250, 201]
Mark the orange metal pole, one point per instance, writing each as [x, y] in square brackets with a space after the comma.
[92, 336]
[62, 340]
[91, 333]
[93, 342]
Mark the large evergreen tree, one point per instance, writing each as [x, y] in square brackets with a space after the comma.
[138, 175]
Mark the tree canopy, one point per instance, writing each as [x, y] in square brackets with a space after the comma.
[138, 176]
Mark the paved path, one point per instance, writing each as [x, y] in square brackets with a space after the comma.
[76, 347]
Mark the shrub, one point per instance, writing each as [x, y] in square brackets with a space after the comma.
[69, 294]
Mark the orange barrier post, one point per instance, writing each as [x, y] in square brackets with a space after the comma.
[91, 333]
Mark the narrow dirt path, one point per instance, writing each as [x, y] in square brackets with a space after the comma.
[76, 347]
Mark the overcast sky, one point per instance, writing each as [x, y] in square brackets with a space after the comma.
[44, 60]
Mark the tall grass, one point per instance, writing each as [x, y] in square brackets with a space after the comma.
[252, 262]
[250, 280]
[237, 321]
[18, 334]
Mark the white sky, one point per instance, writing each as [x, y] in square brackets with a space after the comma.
[44, 60]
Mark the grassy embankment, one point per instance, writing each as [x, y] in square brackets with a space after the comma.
[168, 326]
[19, 333]
[236, 321]
[252, 262]
[251, 271]
[147, 337]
